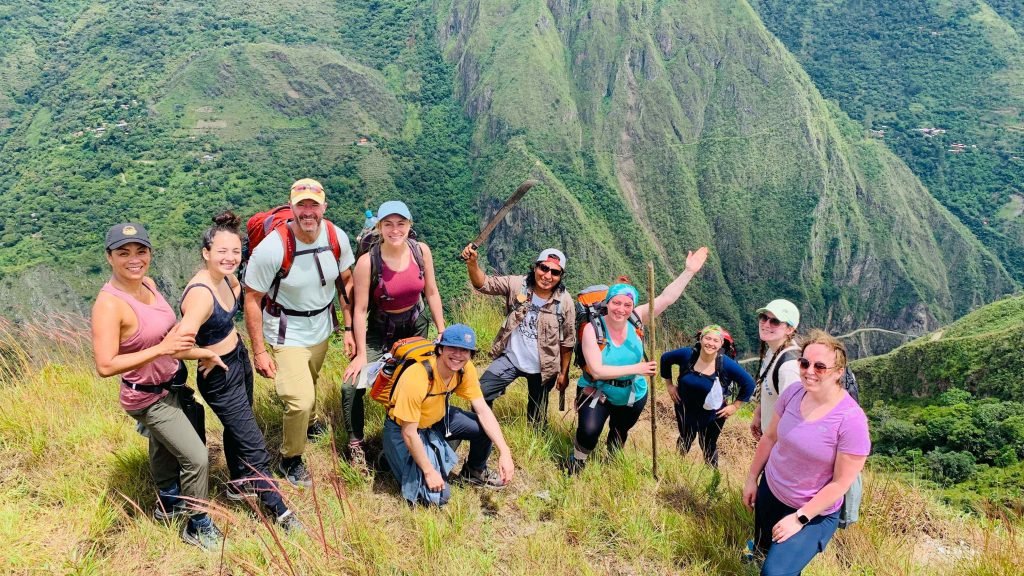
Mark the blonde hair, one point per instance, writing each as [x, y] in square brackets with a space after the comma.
[825, 339]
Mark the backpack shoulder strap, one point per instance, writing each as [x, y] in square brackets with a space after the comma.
[376, 264]
[288, 241]
[417, 254]
[430, 375]
[782, 358]
[335, 244]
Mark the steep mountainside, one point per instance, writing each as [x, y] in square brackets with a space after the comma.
[900, 68]
[658, 127]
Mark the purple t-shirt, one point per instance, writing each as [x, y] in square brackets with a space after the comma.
[804, 456]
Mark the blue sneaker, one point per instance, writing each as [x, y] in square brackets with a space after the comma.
[202, 532]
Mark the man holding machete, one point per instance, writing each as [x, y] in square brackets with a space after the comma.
[539, 333]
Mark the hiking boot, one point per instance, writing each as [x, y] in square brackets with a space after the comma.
[574, 465]
[201, 532]
[357, 456]
[294, 471]
[289, 522]
[487, 478]
[169, 505]
[240, 491]
[316, 429]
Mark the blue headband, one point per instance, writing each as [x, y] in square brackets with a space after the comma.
[618, 289]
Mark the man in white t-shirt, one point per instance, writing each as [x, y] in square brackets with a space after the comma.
[299, 321]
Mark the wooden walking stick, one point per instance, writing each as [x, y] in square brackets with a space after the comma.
[651, 343]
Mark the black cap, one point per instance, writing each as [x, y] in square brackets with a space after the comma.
[121, 234]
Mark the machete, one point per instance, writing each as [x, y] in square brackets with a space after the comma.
[502, 212]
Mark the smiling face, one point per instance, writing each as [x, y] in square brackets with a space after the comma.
[394, 229]
[620, 307]
[772, 330]
[547, 275]
[454, 358]
[308, 214]
[711, 343]
[820, 356]
[224, 254]
[130, 262]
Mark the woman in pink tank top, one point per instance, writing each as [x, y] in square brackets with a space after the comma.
[389, 279]
[134, 335]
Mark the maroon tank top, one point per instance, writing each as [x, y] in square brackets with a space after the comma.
[398, 290]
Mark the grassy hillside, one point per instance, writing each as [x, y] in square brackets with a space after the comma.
[957, 65]
[657, 127]
[947, 406]
[77, 496]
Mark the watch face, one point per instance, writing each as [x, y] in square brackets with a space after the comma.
[803, 519]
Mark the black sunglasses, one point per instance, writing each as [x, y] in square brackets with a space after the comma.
[820, 368]
[773, 322]
[556, 272]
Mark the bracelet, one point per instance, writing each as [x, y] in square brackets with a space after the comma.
[256, 355]
[348, 328]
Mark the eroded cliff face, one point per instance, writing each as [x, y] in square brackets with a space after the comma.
[696, 126]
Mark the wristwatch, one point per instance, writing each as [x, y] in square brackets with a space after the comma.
[802, 518]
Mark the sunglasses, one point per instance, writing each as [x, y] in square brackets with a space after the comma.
[304, 187]
[820, 369]
[773, 322]
[544, 268]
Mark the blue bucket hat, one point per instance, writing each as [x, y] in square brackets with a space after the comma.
[459, 336]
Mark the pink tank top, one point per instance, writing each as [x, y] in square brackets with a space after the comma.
[398, 290]
[155, 321]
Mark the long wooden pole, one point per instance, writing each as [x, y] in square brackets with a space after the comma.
[652, 346]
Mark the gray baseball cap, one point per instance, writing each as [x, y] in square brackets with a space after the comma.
[126, 233]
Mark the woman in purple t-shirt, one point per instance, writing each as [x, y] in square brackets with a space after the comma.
[810, 453]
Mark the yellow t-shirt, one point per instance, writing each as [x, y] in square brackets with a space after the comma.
[413, 404]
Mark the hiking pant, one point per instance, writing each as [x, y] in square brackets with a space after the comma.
[592, 418]
[377, 344]
[229, 395]
[707, 433]
[789, 557]
[503, 372]
[298, 369]
[176, 454]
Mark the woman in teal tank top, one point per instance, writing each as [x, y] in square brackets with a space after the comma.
[614, 386]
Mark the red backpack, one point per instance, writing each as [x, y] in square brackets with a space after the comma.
[258, 228]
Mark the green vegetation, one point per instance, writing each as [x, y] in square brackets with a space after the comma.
[77, 495]
[900, 67]
[946, 408]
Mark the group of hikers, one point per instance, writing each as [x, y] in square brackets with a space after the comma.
[301, 270]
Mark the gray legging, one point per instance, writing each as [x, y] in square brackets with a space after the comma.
[381, 333]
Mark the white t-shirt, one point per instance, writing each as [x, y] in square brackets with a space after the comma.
[301, 289]
[789, 373]
[522, 347]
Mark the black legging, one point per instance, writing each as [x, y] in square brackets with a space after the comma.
[706, 432]
[592, 418]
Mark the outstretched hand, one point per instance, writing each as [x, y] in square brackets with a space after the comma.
[695, 260]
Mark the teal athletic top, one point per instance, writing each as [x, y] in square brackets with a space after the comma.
[627, 390]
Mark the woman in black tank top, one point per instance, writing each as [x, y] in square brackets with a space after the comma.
[208, 306]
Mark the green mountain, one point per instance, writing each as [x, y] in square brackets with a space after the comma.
[900, 68]
[657, 127]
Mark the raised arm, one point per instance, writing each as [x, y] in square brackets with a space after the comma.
[476, 275]
[672, 292]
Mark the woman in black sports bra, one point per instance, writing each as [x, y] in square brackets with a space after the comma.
[208, 306]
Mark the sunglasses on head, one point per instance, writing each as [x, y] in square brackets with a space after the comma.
[304, 187]
[819, 367]
[556, 272]
[773, 322]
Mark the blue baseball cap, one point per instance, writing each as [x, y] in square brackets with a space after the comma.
[393, 207]
[459, 336]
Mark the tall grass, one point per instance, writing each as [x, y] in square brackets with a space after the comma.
[76, 496]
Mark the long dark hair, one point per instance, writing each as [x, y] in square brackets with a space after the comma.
[226, 221]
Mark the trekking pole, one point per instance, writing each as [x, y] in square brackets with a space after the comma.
[651, 390]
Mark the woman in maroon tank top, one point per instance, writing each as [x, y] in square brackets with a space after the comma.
[389, 280]
[135, 336]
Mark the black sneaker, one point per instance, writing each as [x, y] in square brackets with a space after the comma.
[316, 429]
[240, 491]
[289, 522]
[202, 533]
[166, 514]
[487, 478]
[294, 471]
